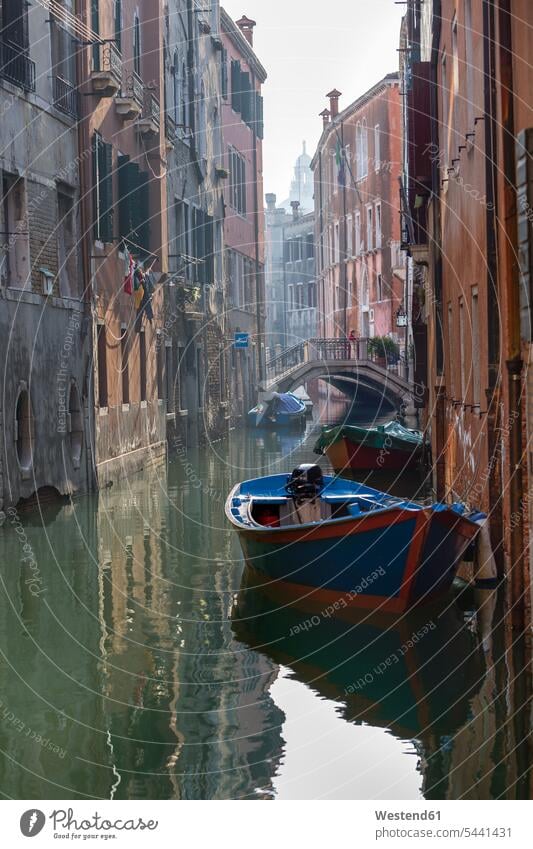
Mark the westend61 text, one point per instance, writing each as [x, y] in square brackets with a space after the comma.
[408, 815]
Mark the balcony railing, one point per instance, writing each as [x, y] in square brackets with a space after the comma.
[107, 68]
[170, 129]
[151, 110]
[134, 88]
[66, 97]
[16, 66]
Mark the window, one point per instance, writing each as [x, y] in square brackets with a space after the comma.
[291, 296]
[235, 85]
[222, 372]
[361, 149]
[200, 378]
[476, 348]
[469, 60]
[182, 246]
[182, 382]
[160, 365]
[125, 365]
[118, 24]
[67, 262]
[455, 57]
[379, 287]
[450, 349]
[202, 243]
[358, 247]
[176, 89]
[237, 167]
[310, 246]
[15, 240]
[444, 86]
[103, 189]
[349, 236]
[102, 366]
[378, 226]
[377, 148]
[169, 377]
[142, 365]
[369, 233]
[336, 245]
[185, 99]
[224, 73]
[137, 44]
[133, 203]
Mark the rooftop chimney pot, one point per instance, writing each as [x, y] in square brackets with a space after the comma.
[334, 102]
[246, 26]
[295, 205]
[325, 115]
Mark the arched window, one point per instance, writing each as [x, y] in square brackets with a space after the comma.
[176, 86]
[118, 24]
[184, 97]
[24, 430]
[137, 44]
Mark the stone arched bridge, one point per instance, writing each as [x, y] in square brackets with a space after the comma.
[347, 366]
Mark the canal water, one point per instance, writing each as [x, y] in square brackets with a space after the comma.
[136, 662]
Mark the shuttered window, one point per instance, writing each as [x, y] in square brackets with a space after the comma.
[247, 105]
[102, 189]
[224, 73]
[259, 119]
[237, 167]
[236, 85]
[133, 203]
[203, 246]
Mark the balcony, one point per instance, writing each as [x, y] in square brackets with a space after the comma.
[414, 224]
[16, 66]
[150, 120]
[129, 102]
[66, 97]
[106, 75]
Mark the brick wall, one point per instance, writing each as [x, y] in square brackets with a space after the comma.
[42, 221]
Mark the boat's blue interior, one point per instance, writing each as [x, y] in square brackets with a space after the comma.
[357, 498]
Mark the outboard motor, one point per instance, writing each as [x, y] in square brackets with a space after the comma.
[306, 482]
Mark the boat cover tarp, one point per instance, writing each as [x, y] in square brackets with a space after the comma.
[286, 403]
[392, 436]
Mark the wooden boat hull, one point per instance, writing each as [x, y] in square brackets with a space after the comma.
[390, 562]
[345, 454]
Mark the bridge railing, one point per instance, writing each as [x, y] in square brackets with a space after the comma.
[315, 350]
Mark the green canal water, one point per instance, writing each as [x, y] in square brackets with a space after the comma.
[136, 663]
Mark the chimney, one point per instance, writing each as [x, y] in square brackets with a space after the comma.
[271, 202]
[295, 205]
[334, 102]
[246, 26]
[325, 117]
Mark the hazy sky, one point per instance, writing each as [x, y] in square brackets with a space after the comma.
[308, 48]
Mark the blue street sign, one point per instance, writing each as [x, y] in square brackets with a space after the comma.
[241, 340]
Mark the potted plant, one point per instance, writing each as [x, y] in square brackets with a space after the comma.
[383, 350]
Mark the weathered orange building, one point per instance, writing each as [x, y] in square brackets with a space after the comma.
[466, 208]
[124, 202]
[356, 167]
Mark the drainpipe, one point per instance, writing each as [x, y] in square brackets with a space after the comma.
[344, 231]
[321, 237]
[510, 279]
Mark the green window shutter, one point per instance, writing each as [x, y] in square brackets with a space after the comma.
[259, 119]
[236, 85]
[143, 196]
[106, 193]
[246, 98]
[224, 73]
[124, 207]
[96, 187]
[209, 257]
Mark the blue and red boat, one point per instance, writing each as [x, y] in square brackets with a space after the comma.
[278, 409]
[339, 542]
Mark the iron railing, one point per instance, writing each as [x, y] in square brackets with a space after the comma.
[16, 66]
[170, 128]
[317, 350]
[134, 88]
[108, 59]
[66, 97]
[151, 109]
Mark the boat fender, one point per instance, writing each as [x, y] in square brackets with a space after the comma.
[485, 570]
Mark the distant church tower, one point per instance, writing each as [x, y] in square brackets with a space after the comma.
[302, 186]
